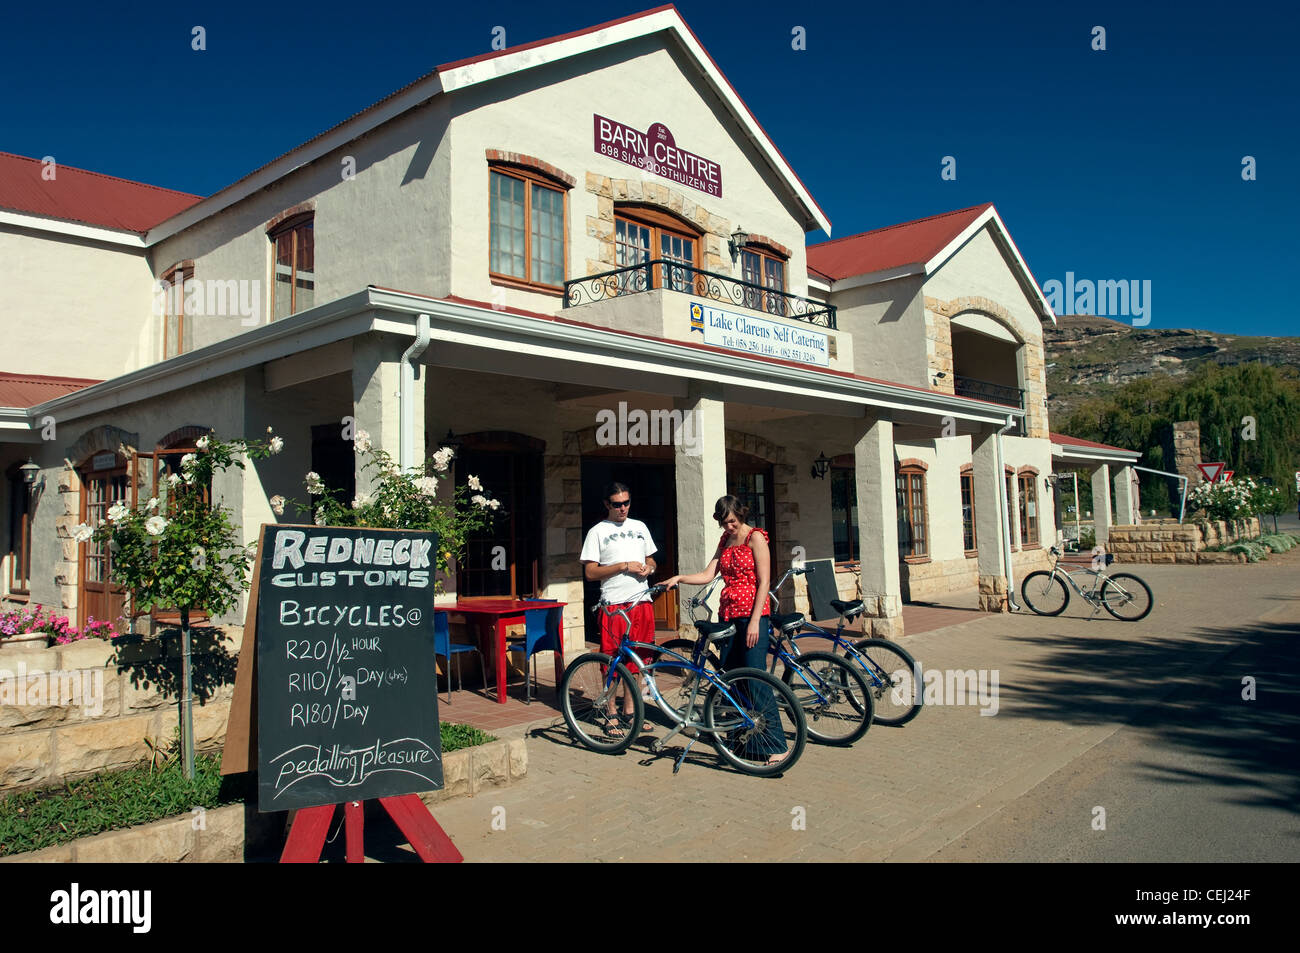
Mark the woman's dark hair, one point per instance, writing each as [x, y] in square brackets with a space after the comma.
[612, 488]
[729, 505]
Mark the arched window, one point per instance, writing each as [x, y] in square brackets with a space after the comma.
[913, 533]
[20, 534]
[1027, 478]
[764, 266]
[173, 307]
[528, 214]
[642, 234]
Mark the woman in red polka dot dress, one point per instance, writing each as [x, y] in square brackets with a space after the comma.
[746, 566]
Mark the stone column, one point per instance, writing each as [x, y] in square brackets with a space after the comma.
[376, 385]
[1125, 497]
[1101, 503]
[700, 460]
[873, 461]
[1185, 438]
[988, 480]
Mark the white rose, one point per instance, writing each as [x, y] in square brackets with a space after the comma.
[360, 501]
[201, 443]
[314, 483]
[277, 505]
[320, 516]
[442, 459]
[82, 532]
[173, 478]
[117, 512]
[428, 486]
[153, 503]
[474, 483]
[277, 444]
[155, 525]
[268, 429]
[188, 459]
[361, 442]
[494, 504]
[479, 500]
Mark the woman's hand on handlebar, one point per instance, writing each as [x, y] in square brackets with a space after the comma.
[671, 582]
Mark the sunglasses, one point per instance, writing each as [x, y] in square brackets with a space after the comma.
[617, 505]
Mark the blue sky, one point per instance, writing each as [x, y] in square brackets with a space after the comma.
[1117, 164]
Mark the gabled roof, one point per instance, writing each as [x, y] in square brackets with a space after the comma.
[28, 390]
[92, 198]
[494, 65]
[918, 247]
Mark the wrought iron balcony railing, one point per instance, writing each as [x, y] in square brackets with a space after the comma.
[673, 275]
[986, 390]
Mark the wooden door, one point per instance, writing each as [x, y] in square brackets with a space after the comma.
[97, 595]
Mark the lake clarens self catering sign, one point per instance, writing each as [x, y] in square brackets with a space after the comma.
[657, 152]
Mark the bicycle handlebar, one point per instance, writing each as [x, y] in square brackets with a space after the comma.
[654, 592]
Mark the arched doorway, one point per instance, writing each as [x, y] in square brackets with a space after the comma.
[104, 482]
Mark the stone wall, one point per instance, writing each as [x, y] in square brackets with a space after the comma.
[78, 709]
[1165, 541]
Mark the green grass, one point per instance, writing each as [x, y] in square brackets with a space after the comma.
[114, 800]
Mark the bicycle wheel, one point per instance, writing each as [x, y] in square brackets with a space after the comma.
[676, 681]
[1045, 593]
[755, 719]
[896, 681]
[1126, 597]
[586, 702]
[834, 696]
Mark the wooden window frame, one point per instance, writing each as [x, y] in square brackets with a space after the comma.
[1027, 484]
[1013, 507]
[186, 271]
[20, 533]
[292, 225]
[660, 222]
[968, 474]
[531, 179]
[767, 301]
[908, 471]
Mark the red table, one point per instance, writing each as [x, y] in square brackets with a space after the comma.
[504, 613]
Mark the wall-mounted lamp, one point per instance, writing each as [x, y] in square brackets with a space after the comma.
[451, 440]
[820, 466]
[739, 239]
[30, 471]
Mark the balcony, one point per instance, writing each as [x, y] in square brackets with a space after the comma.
[674, 276]
[986, 390]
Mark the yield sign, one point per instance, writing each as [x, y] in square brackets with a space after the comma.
[1227, 475]
[1211, 471]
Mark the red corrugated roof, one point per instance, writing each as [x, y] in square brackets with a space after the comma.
[91, 197]
[893, 246]
[1080, 442]
[28, 390]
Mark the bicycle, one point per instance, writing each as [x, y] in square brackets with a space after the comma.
[750, 714]
[1129, 600]
[836, 701]
[893, 678]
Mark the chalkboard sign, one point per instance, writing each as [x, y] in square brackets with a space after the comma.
[347, 701]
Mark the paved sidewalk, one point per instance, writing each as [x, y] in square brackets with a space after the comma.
[1064, 685]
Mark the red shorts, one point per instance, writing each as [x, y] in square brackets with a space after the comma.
[642, 616]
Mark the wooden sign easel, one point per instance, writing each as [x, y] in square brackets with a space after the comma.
[310, 826]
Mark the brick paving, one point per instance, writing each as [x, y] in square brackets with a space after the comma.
[1064, 685]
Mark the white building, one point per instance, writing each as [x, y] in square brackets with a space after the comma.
[503, 209]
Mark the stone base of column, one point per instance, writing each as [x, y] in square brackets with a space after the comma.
[993, 593]
[883, 618]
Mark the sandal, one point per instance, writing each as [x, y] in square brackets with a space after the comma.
[613, 728]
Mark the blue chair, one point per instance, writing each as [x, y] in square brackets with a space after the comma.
[541, 634]
[444, 646]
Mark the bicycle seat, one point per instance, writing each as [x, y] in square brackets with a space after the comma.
[848, 609]
[788, 622]
[716, 630]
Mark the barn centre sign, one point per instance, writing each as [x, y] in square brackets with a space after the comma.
[656, 151]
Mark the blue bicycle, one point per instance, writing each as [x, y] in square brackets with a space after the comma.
[755, 721]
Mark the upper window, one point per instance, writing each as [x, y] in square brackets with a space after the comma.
[642, 235]
[768, 271]
[1028, 509]
[294, 286]
[968, 511]
[912, 536]
[526, 215]
[173, 329]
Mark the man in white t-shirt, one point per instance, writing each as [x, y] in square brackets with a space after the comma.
[617, 554]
